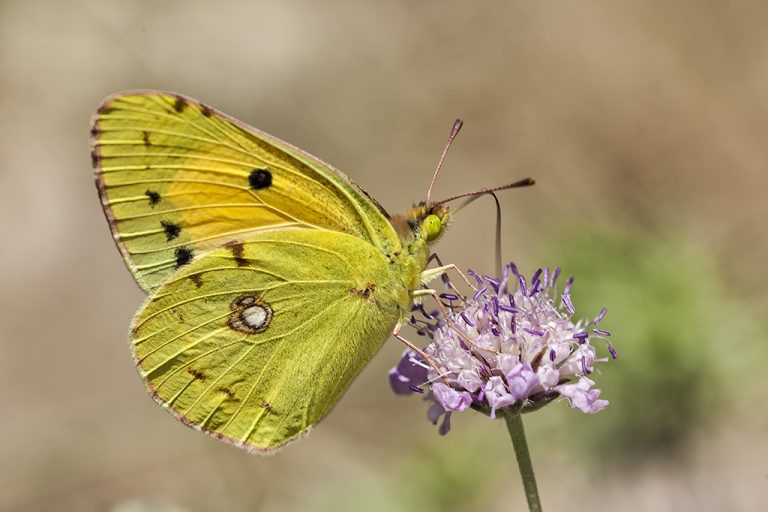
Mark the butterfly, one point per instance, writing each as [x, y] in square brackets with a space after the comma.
[272, 277]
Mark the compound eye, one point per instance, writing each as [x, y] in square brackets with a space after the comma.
[432, 226]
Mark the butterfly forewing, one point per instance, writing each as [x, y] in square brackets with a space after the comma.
[177, 178]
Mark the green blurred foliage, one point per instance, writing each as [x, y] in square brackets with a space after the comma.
[665, 305]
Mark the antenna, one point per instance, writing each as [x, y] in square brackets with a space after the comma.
[527, 182]
[454, 132]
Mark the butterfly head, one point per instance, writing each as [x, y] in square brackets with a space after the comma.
[423, 223]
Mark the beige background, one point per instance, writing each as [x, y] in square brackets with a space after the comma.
[641, 121]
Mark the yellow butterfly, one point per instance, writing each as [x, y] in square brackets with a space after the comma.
[272, 278]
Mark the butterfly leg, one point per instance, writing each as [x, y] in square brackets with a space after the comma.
[396, 334]
[431, 273]
[444, 277]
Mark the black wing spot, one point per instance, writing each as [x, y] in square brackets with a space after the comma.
[197, 279]
[365, 292]
[237, 252]
[145, 138]
[180, 104]
[95, 158]
[225, 390]
[260, 178]
[171, 230]
[196, 373]
[94, 130]
[154, 197]
[183, 256]
[206, 110]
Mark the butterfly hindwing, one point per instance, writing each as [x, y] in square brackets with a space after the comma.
[178, 178]
[255, 341]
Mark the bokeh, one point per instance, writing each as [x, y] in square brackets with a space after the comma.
[645, 125]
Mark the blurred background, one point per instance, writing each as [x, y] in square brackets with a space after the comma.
[644, 124]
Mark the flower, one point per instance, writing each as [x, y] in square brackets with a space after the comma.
[511, 346]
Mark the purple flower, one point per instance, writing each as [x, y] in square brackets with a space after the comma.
[509, 343]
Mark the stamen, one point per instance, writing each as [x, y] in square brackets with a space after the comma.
[493, 282]
[584, 365]
[466, 319]
[555, 274]
[419, 362]
[566, 298]
[601, 332]
[420, 307]
[599, 318]
[449, 296]
[533, 331]
[552, 355]
[480, 292]
[523, 288]
[416, 389]
[568, 285]
[472, 273]
[508, 309]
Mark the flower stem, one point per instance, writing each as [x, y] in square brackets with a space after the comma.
[517, 433]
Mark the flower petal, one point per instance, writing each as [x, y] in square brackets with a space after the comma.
[450, 399]
[496, 394]
[407, 374]
[521, 380]
[581, 396]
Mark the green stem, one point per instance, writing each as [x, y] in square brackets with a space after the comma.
[516, 432]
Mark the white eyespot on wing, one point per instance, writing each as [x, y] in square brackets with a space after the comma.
[249, 314]
[255, 316]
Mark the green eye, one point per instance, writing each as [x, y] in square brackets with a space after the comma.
[432, 226]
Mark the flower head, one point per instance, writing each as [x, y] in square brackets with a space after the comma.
[513, 345]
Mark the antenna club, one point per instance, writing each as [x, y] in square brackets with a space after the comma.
[457, 124]
[525, 182]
